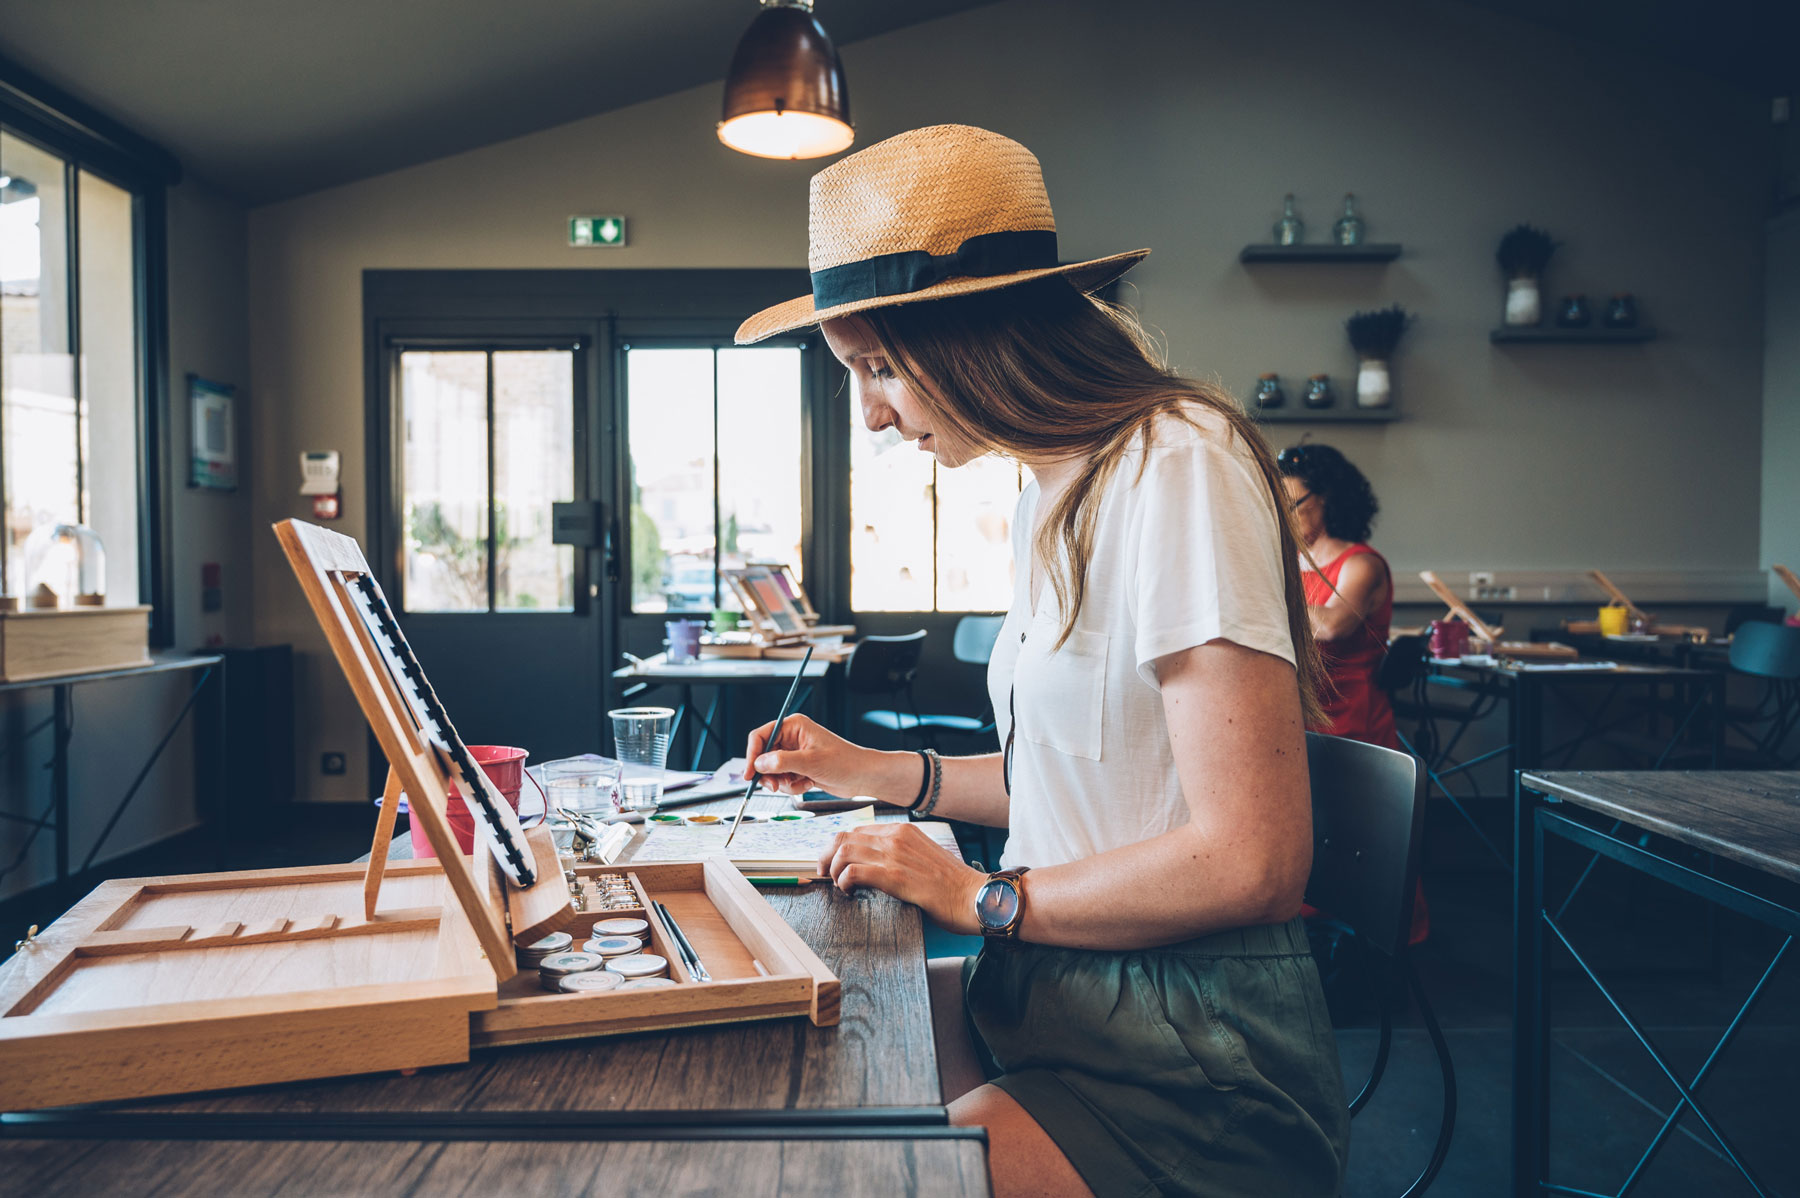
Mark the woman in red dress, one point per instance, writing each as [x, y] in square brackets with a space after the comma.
[1350, 597]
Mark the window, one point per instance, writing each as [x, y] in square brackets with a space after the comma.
[70, 361]
[715, 469]
[488, 444]
[924, 538]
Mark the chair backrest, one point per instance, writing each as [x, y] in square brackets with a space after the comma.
[975, 637]
[1766, 650]
[882, 665]
[1402, 664]
[1368, 822]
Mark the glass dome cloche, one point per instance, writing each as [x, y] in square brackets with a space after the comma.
[65, 566]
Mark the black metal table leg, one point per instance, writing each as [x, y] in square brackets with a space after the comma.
[1531, 998]
[213, 768]
[59, 779]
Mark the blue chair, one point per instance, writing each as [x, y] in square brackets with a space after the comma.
[974, 645]
[885, 666]
[1770, 652]
[1368, 825]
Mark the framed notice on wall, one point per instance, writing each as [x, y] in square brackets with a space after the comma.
[214, 434]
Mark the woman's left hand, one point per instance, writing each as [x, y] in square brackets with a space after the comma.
[901, 860]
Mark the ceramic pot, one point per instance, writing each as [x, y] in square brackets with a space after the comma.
[1374, 387]
[1524, 303]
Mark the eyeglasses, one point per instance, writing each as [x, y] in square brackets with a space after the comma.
[1294, 506]
[1012, 727]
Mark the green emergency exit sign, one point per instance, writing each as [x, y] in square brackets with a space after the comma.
[597, 230]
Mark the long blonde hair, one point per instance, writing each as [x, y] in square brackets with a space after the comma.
[1040, 371]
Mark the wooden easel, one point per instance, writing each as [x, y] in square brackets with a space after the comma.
[1621, 599]
[1488, 638]
[1787, 576]
[427, 760]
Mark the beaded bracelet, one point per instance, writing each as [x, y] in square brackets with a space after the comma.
[937, 785]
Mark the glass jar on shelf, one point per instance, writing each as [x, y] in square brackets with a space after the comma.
[65, 566]
[1268, 391]
[1290, 229]
[1349, 227]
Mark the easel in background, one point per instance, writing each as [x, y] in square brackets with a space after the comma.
[1638, 614]
[789, 582]
[1786, 575]
[778, 626]
[1487, 638]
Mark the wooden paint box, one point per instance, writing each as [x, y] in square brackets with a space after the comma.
[76, 640]
[171, 985]
[209, 981]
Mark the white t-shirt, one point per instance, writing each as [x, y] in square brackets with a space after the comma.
[1189, 552]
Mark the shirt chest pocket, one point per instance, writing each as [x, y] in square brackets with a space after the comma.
[1060, 698]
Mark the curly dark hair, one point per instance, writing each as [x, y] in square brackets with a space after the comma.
[1350, 504]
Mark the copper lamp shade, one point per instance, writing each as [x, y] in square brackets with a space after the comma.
[785, 96]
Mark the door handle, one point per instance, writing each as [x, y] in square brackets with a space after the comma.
[611, 549]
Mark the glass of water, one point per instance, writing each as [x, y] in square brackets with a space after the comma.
[641, 743]
[578, 785]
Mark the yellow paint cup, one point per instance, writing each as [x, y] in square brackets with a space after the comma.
[1614, 620]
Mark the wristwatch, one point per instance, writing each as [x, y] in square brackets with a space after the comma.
[1000, 904]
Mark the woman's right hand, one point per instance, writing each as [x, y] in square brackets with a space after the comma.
[810, 758]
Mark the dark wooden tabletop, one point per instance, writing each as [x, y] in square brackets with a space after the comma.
[1585, 668]
[743, 1168]
[1751, 817]
[879, 1055]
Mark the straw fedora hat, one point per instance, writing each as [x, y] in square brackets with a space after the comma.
[936, 212]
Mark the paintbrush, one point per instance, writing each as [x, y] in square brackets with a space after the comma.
[773, 741]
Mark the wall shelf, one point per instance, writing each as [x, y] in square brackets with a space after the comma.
[1593, 335]
[1342, 414]
[1320, 253]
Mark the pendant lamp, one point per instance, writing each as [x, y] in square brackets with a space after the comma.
[785, 96]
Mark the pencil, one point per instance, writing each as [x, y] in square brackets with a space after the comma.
[737, 821]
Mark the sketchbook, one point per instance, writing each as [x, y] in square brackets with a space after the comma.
[770, 848]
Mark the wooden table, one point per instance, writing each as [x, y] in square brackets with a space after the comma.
[209, 754]
[951, 1164]
[876, 1068]
[1751, 819]
[1527, 689]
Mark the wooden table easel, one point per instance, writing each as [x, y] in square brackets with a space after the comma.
[1638, 615]
[1487, 638]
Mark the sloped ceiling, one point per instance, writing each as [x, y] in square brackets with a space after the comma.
[271, 99]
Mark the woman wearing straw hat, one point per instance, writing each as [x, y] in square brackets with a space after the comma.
[1145, 1016]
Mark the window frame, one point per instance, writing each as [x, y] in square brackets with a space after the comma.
[87, 140]
[679, 340]
[850, 524]
[389, 512]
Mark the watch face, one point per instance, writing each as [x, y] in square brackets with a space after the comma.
[996, 903]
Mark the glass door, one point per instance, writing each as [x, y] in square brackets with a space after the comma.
[508, 624]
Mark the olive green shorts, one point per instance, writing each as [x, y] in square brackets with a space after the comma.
[1206, 1067]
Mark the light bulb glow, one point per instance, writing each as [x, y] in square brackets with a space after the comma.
[786, 134]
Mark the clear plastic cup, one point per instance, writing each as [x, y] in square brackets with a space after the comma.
[641, 743]
[578, 785]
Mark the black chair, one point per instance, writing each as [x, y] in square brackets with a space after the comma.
[885, 666]
[974, 645]
[1770, 652]
[1368, 824]
[1403, 675]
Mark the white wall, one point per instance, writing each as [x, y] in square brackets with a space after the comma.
[1179, 126]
